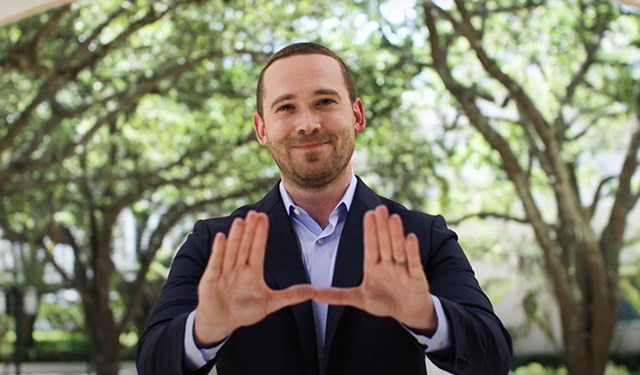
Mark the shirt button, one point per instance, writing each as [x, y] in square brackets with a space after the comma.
[320, 241]
[320, 355]
[296, 211]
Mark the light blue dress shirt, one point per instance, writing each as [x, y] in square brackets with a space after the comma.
[319, 249]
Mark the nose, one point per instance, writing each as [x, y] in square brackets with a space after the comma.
[308, 122]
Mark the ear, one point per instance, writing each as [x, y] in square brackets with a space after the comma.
[258, 127]
[358, 114]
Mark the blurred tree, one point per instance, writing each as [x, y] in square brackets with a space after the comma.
[549, 88]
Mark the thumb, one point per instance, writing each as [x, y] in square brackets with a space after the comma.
[341, 296]
[290, 296]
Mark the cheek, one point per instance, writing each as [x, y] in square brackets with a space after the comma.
[343, 118]
[275, 135]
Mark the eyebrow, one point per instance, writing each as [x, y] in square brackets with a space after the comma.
[319, 92]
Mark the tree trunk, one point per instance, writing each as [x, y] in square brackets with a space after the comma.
[26, 330]
[104, 338]
[587, 362]
[151, 292]
[579, 354]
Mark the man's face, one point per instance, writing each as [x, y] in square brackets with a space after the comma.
[309, 123]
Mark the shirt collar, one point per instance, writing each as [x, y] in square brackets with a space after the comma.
[347, 198]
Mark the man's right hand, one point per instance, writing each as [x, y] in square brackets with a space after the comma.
[232, 292]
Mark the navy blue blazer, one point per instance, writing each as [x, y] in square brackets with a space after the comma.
[356, 342]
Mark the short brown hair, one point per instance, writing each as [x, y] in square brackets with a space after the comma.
[306, 48]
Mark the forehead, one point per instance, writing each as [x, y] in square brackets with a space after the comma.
[294, 73]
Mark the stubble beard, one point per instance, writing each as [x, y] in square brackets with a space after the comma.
[313, 173]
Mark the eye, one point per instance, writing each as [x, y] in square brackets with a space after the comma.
[285, 107]
[326, 101]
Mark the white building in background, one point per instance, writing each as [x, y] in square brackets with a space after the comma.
[510, 310]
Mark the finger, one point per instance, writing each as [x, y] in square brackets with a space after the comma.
[247, 238]
[382, 225]
[233, 241]
[413, 256]
[341, 297]
[396, 234]
[214, 265]
[371, 252]
[259, 244]
[290, 296]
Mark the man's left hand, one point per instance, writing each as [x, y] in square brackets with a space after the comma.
[393, 283]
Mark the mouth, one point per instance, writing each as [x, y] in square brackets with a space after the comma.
[310, 146]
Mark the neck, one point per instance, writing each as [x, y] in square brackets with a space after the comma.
[319, 203]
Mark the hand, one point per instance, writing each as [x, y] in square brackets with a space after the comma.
[232, 292]
[393, 283]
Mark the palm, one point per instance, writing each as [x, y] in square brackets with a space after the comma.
[390, 291]
[394, 283]
[232, 292]
[238, 306]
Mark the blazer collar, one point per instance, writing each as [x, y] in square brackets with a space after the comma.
[283, 261]
[349, 261]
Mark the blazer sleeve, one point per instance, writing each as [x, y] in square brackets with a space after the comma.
[479, 343]
[161, 346]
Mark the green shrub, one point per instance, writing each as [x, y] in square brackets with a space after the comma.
[537, 369]
[57, 345]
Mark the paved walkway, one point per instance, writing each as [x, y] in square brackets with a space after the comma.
[60, 368]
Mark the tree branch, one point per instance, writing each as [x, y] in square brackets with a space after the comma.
[59, 113]
[82, 47]
[24, 57]
[48, 246]
[634, 200]
[604, 114]
[529, 5]
[467, 30]
[46, 92]
[486, 215]
[9, 233]
[612, 236]
[591, 46]
[126, 102]
[596, 197]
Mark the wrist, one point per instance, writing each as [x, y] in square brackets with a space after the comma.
[208, 336]
[427, 323]
[427, 332]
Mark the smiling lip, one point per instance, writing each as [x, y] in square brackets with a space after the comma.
[311, 146]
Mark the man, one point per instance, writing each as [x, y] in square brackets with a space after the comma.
[322, 276]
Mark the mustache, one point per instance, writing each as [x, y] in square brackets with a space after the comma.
[308, 139]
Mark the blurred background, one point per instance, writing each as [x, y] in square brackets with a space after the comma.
[123, 122]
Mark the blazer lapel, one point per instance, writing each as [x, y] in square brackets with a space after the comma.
[349, 260]
[283, 261]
